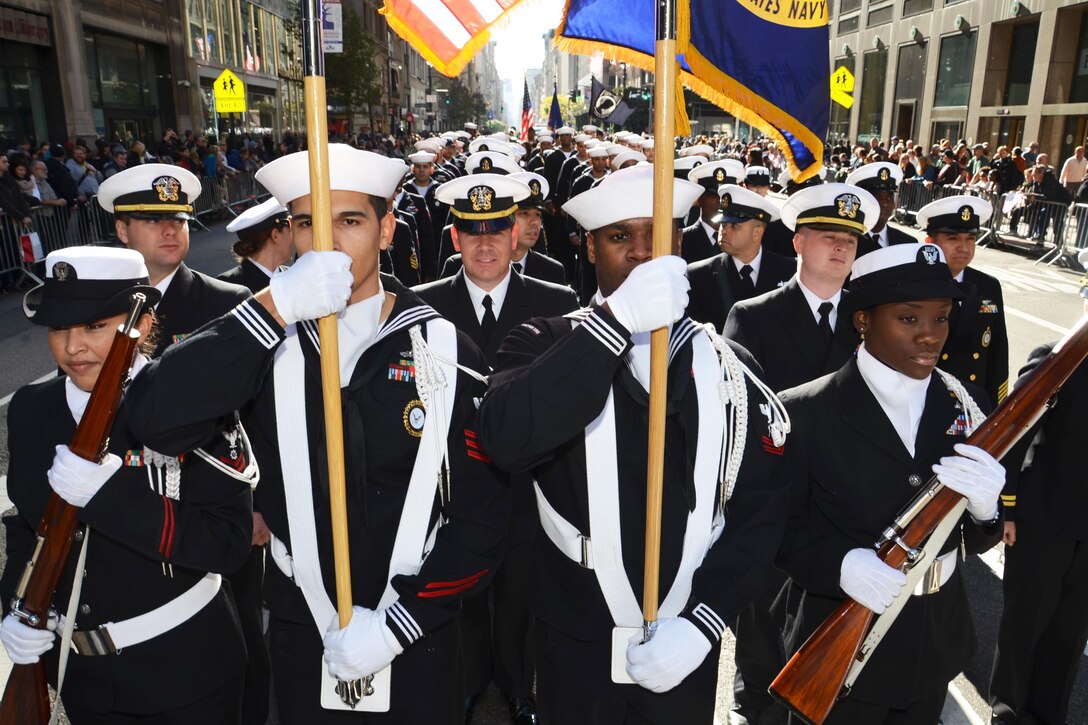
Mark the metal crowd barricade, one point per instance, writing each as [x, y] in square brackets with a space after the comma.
[12, 264]
[913, 195]
[231, 194]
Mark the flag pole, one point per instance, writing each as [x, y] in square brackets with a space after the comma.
[317, 143]
[663, 240]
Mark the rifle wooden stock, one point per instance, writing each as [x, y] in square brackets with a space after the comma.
[26, 696]
[812, 681]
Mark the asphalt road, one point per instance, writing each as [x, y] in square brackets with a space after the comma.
[1041, 303]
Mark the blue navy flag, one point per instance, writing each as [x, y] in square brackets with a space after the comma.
[555, 117]
[765, 63]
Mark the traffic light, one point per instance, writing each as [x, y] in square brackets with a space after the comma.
[447, 100]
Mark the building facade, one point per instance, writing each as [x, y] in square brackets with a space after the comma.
[989, 71]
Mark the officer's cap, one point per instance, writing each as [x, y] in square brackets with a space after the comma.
[626, 156]
[265, 215]
[740, 204]
[682, 165]
[350, 169]
[538, 189]
[486, 143]
[627, 194]
[483, 203]
[715, 173]
[787, 182]
[757, 176]
[900, 273]
[491, 162]
[839, 207]
[151, 191]
[87, 284]
[876, 177]
[954, 214]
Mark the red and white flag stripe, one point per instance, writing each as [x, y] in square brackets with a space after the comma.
[445, 32]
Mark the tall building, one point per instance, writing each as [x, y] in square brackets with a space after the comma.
[982, 70]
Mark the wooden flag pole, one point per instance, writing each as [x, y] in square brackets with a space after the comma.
[664, 238]
[317, 144]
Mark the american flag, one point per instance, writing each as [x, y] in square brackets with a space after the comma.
[526, 113]
[447, 33]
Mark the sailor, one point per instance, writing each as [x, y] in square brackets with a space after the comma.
[412, 199]
[977, 350]
[700, 237]
[779, 238]
[757, 179]
[152, 205]
[882, 180]
[426, 512]
[481, 162]
[586, 377]
[158, 531]
[865, 440]
[263, 246]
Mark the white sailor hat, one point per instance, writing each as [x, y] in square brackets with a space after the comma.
[565, 131]
[620, 134]
[634, 141]
[785, 179]
[87, 284]
[483, 203]
[266, 215]
[538, 189]
[876, 177]
[701, 149]
[422, 157]
[470, 125]
[954, 214]
[900, 273]
[740, 204]
[433, 144]
[151, 191]
[647, 143]
[627, 157]
[581, 138]
[451, 135]
[838, 207]
[713, 174]
[589, 128]
[542, 137]
[598, 152]
[350, 169]
[757, 176]
[614, 149]
[516, 150]
[627, 194]
[491, 162]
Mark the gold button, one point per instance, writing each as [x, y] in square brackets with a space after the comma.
[972, 378]
[944, 356]
[975, 356]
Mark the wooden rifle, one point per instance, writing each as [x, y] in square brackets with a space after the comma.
[813, 680]
[26, 697]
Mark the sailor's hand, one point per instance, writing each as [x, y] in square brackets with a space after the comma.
[654, 295]
[24, 644]
[977, 476]
[76, 479]
[869, 581]
[316, 285]
[673, 653]
[362, 648]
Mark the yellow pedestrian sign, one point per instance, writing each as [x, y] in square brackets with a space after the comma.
[230, 93]
[842, 86]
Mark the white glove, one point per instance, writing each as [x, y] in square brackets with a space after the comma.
[654, 295]
[76, 479]
[24, 644]
[363, 647]
[869, 581]
[977, 476]
[317, 284]
[675, 650]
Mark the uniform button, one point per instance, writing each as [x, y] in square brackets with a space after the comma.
[972, 378]
[84, 608]
[975, 356]
[915, 480]
[944, 356]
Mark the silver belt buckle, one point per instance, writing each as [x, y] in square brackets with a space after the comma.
[932, 577]
[93, 642]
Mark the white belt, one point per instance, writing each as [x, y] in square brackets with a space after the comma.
[938, 574]
[112, 637]
[563, 533]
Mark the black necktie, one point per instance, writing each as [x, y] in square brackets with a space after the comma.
[487, 324]
[825, 321]
[747, 286]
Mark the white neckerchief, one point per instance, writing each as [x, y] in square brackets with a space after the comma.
[754, 264]
[814, 303]
[901, 397]
[263, 268]
[164, 284]
[638, 359]
[356, 329]
[422, 189]
[477, 294]
[77, 399]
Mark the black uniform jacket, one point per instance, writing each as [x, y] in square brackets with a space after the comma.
[778, 238]
[850, 478]
[551, 382]
[781, 332]
[415, 205]
[1051, 492]
[696, 244]
[404, 254]
[867, 244]
[248, 275]
[714, 285]
[977, 350]
[180, 398]
[537, 265]
[192, 299]
[134, 530]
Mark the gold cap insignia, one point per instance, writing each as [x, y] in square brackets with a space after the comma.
[848, 205]
[481, 197]
[167, 188]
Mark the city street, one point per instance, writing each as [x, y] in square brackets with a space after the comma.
[1041, 304]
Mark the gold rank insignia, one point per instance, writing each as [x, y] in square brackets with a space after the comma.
[534, 187]
[719, 175]
[726, 200]
[883, 174]
[167, 188]
[848, 205]
[481, 197]
[62, 272]
[415, 416]
[987, 337]
[413, 260]
[485, 164]
[965, 212]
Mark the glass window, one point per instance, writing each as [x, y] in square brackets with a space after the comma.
[913, 7]
[846, 6]
[226, 25]
[880, 16]
[119, 70]
[92, 68]
[212, 49]
[954, 69]
[1078, 89]
[849, 25]
[197, 46]
[910, 71]
[1021, 60]
[871, 112]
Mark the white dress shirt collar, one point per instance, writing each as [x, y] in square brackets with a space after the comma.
[814, 303]
[263, 268]
[164, 284]
[902, 398]
[754, 264]
[498, 296]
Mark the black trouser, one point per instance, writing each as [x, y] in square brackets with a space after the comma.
[247, 584]
[1044, 625]
[574, 687]
[221, 707]
[760, 654]
[427, 681]
[926, 711]
[559, 246]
